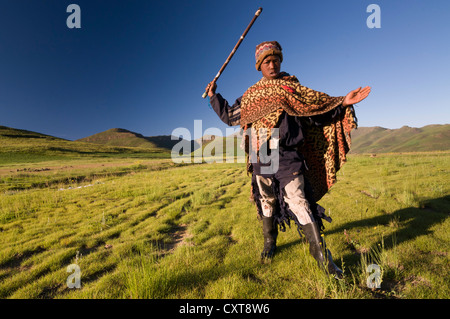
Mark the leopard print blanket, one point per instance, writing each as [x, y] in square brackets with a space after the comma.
[325, 151]
[324, 148]
[285, 92]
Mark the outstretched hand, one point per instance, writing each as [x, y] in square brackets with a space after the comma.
[356, 96]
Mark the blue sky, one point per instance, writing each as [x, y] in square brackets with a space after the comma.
[143, 65]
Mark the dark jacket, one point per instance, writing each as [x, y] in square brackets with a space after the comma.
[291, 162]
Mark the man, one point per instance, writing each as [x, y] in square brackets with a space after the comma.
[312, 141]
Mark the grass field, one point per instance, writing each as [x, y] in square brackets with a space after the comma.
[149, 228]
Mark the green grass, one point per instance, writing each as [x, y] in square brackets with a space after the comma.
[147, 228]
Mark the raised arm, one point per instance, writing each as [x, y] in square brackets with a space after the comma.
[230, 115]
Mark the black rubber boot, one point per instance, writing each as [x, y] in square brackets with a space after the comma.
[333, 269]
[270, 232]
[318, 250]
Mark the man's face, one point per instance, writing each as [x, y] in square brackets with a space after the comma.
[270, 67]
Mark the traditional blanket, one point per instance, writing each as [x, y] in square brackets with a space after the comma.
[285, 92]
[324, 148]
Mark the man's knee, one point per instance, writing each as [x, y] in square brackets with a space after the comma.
[295, 188]
[267, 196]
[294, 196]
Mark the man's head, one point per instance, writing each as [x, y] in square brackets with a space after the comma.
[268, 58]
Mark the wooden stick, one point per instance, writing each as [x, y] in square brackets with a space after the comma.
[257, 13]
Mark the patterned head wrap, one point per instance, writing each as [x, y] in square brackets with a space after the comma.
[265, 49]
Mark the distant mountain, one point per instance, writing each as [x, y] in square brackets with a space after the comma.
[19, 145]
[16, 142]
[405, 139]
[364, 140]
[14, 133]
[126, 138]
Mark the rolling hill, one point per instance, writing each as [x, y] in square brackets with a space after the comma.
[371, 140]
[405, 139]
[17, 146]
[121, 137]
[22, 145]
[125, 138]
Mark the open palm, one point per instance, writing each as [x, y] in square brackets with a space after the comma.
[356, 96]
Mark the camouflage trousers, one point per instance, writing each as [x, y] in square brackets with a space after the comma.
[294, 196]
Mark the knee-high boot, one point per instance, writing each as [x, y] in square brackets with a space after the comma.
[319, 251]
[270, 232]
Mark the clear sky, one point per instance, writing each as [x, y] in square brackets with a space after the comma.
[143, 65]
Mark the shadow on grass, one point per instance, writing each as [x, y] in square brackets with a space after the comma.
[408, 224]
[412, 221]
[288, 245]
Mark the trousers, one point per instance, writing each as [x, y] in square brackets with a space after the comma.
[293, 194]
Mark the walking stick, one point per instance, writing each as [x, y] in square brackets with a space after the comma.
[257, 13]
